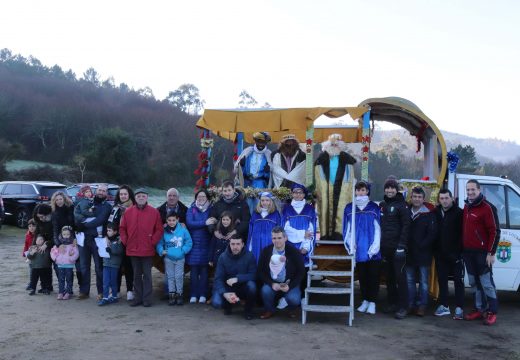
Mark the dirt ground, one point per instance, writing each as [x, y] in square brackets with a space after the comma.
[40, 327]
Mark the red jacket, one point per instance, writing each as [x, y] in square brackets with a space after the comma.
[141, 230]
[28, 242]
[480, 226]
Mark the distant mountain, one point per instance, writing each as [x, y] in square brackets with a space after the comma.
[494, 149]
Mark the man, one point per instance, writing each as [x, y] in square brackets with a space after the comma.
[253, 166]
[141, 229]
[423, 231]
[480, 236]
[233, 202]
[89, 250]
[281, 270]
[448, 254]
[173, 205]
[395, 225]
[235, 278]
[288, 163]
[334, 174]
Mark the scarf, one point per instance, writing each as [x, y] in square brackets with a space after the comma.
[229, 201]
[260, 152]
[202, 207]
[264, 212]
[298, 205]
[170, 229]
[126, 204]
[362, 201]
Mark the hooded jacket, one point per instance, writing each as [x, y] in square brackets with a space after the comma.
[177, 243]
[395, 223]
[67, 258]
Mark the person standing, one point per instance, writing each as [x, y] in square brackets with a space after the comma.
[448, 254]
[140, 230]
[395, 226]
[480, 236]
[173, 205]
[264, 219]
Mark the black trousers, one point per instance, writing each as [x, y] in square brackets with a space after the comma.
[247, 291]
[396, 284]
[368, 274]
[126, 265]
[45, 277]
[455, 267]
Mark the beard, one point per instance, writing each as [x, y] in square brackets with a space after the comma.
[333, 150]
[289, 148]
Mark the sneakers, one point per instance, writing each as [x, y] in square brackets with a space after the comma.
[363, 307]
[66, 296]
[202, 300]
[371, 308]
[99, 297]
[442, 311]
[193, 300]
[282, 304]
[401, 314]
[129, 295]
[103, 302]
[459, 314]
[490, 318]
[60, 297]
[113, 299]
[474, 315]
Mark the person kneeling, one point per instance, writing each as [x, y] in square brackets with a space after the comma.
[281, 270]
[235, 278]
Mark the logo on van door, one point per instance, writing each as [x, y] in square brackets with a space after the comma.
[504, 251]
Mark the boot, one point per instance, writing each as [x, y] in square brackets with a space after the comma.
[172, 298]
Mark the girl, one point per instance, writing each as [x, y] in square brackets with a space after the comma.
[64, 254]
[264, 219]
[29, 238]
[220, 240]
[198, 257]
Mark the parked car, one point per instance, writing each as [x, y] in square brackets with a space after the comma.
[2, 211]
[20, 198]
[73, 190]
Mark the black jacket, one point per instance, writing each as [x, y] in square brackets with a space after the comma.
[43, 228]
[448, 243]
[62, 216]
[240, 210]
[182, 209]
[395, 223]
[294, 267]
[423, 231]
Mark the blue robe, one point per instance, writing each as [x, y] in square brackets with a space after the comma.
[365, 230]
[261, 178]
[306, 220]
[260, 232]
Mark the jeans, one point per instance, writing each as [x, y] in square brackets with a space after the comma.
[174, 270]
[198, 280]
[417, 298]
[245, 291]
[110, 281]
[87, 252]
[396, 284]
[445, 267]
[480, 277]
[269, 296]
[142, 278]
[65, 277]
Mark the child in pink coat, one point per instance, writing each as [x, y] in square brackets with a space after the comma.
[65, 257]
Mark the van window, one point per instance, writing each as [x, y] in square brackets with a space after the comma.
[28, 189]
[513, 202]
[495, 194]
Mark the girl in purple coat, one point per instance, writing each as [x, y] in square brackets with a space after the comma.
[198, 257]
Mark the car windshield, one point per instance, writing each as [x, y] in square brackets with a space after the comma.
[47, 191]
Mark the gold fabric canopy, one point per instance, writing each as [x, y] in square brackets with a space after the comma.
[278, 122]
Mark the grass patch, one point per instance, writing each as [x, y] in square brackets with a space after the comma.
[15, 165]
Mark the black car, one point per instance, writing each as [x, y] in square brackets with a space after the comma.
[20, 198]
[2, 211]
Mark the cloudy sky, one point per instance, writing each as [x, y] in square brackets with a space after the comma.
[458, 60]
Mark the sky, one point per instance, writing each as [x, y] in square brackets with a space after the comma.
[458, 60]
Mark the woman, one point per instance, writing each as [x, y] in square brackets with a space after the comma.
[264, 219]
[124, 199]
[198, 257]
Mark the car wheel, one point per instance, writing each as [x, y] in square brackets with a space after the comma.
[22, 217]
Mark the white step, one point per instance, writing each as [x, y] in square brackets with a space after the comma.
[329, 273]
[327, 308]
[328, 290]
[331, 257]
[330, 242]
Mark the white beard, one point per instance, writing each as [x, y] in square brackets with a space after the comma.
[333, 150]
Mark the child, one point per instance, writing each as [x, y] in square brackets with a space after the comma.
[83, 211]
[175, 244]
[366, 246]
[111, 265]
[65, 255]
[40, 266]
[29, 237]
[264, 219]
[220, 240]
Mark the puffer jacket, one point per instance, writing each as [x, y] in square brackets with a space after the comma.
[395, 223]
[141, 230]
[200, 236]
[423, 231]
[68, 257]
[62, 216]
[176, 242]
[448, 244]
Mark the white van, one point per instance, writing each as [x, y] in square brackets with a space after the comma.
[505, 195]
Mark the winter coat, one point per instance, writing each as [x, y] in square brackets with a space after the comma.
[177, 243]
[395, 223]
[29, 238]
[66, 259]
[82, 210]
[423, 231]
[102, 212]
[216, 248]
[200, 236]
[181, 211]
[294, 266]
[480, 226]
[116, 251]
[448, 243]
[62, 216]
[240, 210]
[241, 266]
[40, 260]
[141, 230]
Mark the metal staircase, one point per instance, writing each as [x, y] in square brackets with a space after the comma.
[326, 290]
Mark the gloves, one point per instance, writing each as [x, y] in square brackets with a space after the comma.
[400, 253]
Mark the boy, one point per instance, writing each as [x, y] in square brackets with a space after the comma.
[111, 265]
[40, 266]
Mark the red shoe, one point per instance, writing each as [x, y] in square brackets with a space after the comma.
[490, 318]
[474, 315]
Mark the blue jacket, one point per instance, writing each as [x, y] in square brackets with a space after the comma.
[177, 243]
[196, 223]
[102, 213]
[241, 266]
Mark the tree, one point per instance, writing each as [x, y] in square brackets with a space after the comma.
[186, 98]
[91, 76]
[246, 100]
[468, 162]
[81, 162]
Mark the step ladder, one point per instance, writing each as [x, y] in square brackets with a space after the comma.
[339, 290]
